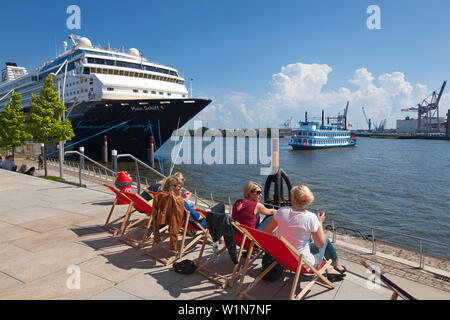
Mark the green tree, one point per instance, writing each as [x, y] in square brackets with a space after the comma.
[12, 125]
[44, 122]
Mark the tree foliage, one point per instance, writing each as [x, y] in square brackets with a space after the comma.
[46, 111]
[12, 125]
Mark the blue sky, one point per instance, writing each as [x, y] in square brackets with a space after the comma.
[235, 51]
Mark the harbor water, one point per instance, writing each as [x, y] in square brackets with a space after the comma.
[399, 186]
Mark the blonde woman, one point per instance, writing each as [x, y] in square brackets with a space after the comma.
[298, 225]
[168, 208]
[178, 192]
[246, 211]
[23, 169]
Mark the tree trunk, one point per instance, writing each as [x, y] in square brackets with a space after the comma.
[45, 160]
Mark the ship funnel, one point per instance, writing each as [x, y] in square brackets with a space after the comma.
[323, 118]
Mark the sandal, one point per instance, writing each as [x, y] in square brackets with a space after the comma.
[341, 271]
[335, 277]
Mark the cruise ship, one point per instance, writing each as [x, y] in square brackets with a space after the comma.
[109, 92]
[315, 135]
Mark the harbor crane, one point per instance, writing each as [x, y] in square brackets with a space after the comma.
[287, 123]
[341, 120]
[369, 121]
[428, 110]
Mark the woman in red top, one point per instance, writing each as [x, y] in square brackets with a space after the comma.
[247, 211]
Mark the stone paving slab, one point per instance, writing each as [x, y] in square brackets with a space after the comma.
[37, 265]
[28, 213]
[118, 266]
[114, 294]
[9, 232]
[7, 282]
[52, 223]
[150, 284]
[54, 286]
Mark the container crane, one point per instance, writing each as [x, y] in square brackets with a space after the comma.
[369, 121]
[428, 110]
[341, 120]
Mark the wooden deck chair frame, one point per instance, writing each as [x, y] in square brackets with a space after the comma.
[108, 226]
[183, 248]
[317, 273]
[220, 279]
[136, 202]
[396, 290]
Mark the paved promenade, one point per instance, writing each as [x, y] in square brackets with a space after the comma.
[46, 227]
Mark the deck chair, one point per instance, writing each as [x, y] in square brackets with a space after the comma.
[121, 199]
[284, 254]
[396, 290]
[192, 225]
[243, 242]
[137, 204]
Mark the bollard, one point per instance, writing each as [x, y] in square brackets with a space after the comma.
[61, 159]
[114, 160]
[81, 157]
[105, 151]
[374, 244]
[151, 154]
[421, 258]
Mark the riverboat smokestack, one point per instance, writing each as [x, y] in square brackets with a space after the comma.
[306, 116]
[323, 118]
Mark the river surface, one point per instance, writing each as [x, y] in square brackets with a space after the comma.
[400, 186]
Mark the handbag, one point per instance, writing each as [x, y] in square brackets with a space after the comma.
[185, 267]
[277, 270]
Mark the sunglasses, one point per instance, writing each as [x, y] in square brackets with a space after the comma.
[257, 192]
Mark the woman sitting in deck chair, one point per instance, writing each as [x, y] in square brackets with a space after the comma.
[297, 225]
[247, 211]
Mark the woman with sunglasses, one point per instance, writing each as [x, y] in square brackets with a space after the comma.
[246, 211]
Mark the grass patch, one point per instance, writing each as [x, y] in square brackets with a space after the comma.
[52, 178]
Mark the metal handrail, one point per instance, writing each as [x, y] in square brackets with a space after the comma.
[394, 233]
[86, 157]
[141, 162]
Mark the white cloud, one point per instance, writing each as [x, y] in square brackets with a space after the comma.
[300, 87]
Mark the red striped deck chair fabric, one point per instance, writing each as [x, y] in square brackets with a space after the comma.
[163, 244]
[225, 280]
[140, 205]
[120, 200]
[287, 256]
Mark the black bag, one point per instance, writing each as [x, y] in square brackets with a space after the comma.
[275, 273]
[185, 266]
